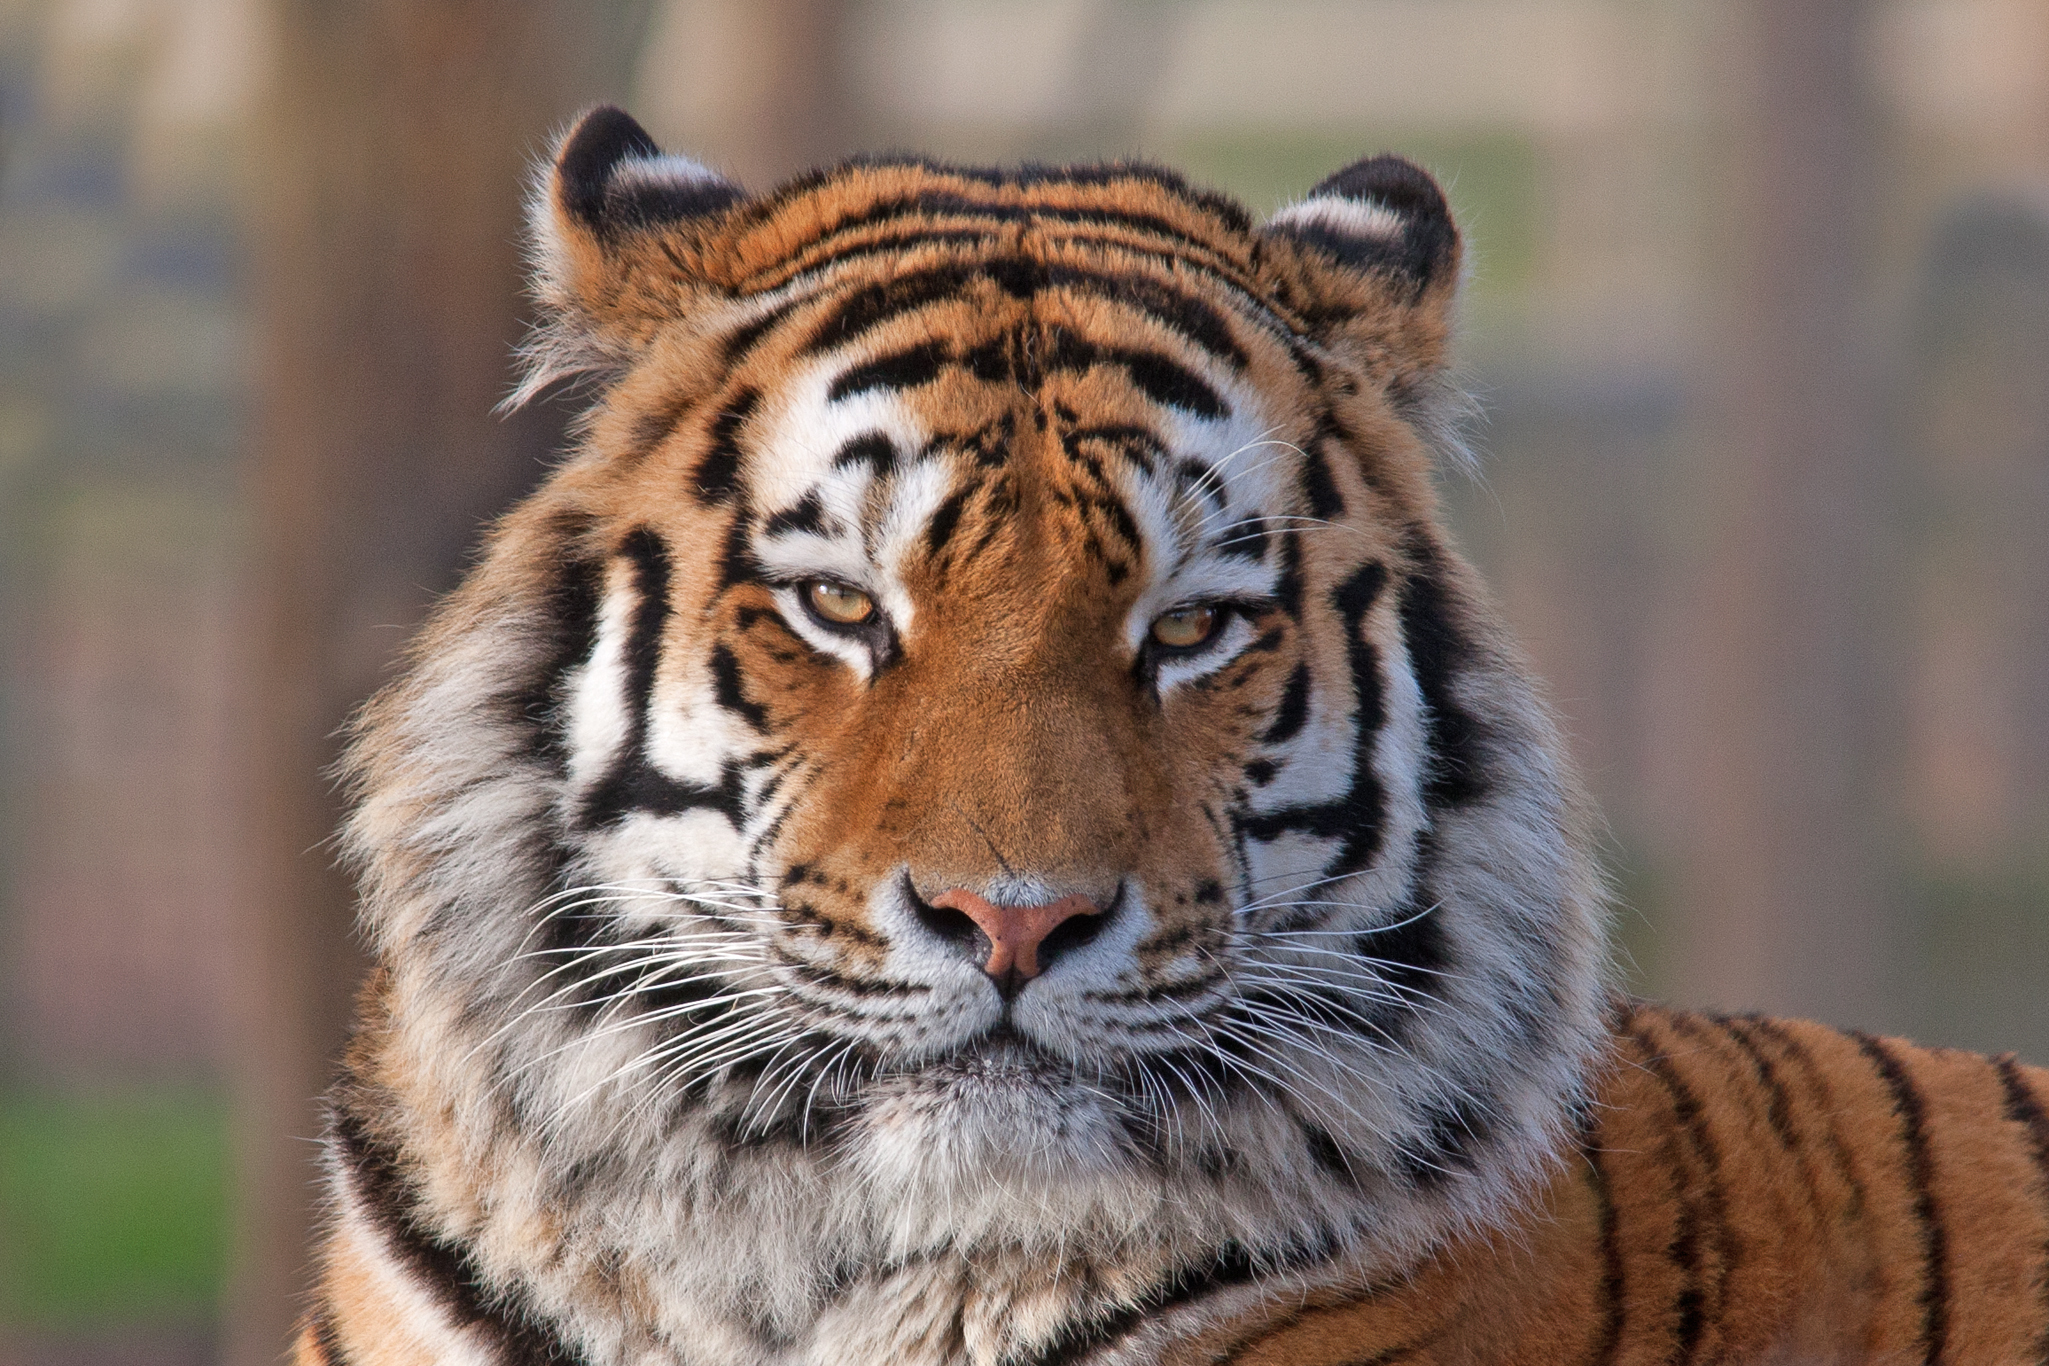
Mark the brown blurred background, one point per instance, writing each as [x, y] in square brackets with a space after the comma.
[1758, 313]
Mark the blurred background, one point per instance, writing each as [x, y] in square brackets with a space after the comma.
[1758, 316]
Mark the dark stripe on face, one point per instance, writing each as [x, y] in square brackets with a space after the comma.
[1912, 1112]
[808, 514]
[1452, 1141]
[1246, 540]
[941, 528]
[651, 428]
[1182, 256]
[729, 690]
[1439, 652]
[931, 210]
[568, 633]
[742, 340]
[1357, 816]
[874, 305]
[902, 370]
[1319, 488]
[718, 474]
[874, 450]
[1328, 1153]
[869, 307]
[445, 1270]
[634, 783]
[1411, 954]
[1161, 378]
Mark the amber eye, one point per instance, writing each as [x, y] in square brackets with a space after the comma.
[1187, 628]
[839, 604]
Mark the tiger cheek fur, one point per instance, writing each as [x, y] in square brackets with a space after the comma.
[978, 819]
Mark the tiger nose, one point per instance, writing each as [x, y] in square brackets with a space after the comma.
[1015, 932]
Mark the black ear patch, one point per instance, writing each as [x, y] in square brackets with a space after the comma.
[612, 178]
[1384, 214]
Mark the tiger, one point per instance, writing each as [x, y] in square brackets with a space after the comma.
[979, 817]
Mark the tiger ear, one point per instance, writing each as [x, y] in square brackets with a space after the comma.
[1378, 233]
[608, 195]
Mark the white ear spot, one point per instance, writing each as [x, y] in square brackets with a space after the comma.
[667, 171]
[1345, 217]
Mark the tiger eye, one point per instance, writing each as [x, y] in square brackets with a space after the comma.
[1185, 629]
[838, 603]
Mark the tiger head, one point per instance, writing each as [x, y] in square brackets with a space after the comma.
[985, 734]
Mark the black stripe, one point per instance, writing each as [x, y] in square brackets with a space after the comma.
[944, 521]
[1614, 1273]
[906, 369]
[1912, 1112]
[1694, 1310]
[1139, 445]
[872, 449]
[1412, 953]
[718, 473]
[1439, 651]
[638, 786]
[870, 306]
[730, 691]
[2024, 1108]
[1452, 1142]
[634, 783]
[651, 428]
[1359, 815]
[821, 254]
[1163, 379]
[1245, 540]
[806, 515]
[444, 1269]
[1293, 711]
[921, 207]
[742, 340]
[1318, 487]
[1778, 1110]
[873, 305]
[1823, 1098]
[567, 634]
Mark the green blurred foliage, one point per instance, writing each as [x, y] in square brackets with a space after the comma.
[111, 1206]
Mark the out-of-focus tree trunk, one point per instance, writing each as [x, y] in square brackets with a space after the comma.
[395, 149]
[1788, 905]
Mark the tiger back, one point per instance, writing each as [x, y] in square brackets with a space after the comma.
[979, 818]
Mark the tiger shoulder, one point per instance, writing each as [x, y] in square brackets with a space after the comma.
[979, 819]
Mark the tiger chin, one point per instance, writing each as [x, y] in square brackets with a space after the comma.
[978, 818]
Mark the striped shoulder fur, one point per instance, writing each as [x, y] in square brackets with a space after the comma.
[978, 818]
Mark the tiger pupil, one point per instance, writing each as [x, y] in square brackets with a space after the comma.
[1180, 630]
[835, 603]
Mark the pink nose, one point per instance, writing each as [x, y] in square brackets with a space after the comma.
[1015, 932]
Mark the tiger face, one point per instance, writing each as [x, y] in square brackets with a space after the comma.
[984, 744]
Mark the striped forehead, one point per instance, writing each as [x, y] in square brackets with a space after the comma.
[859, 447]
